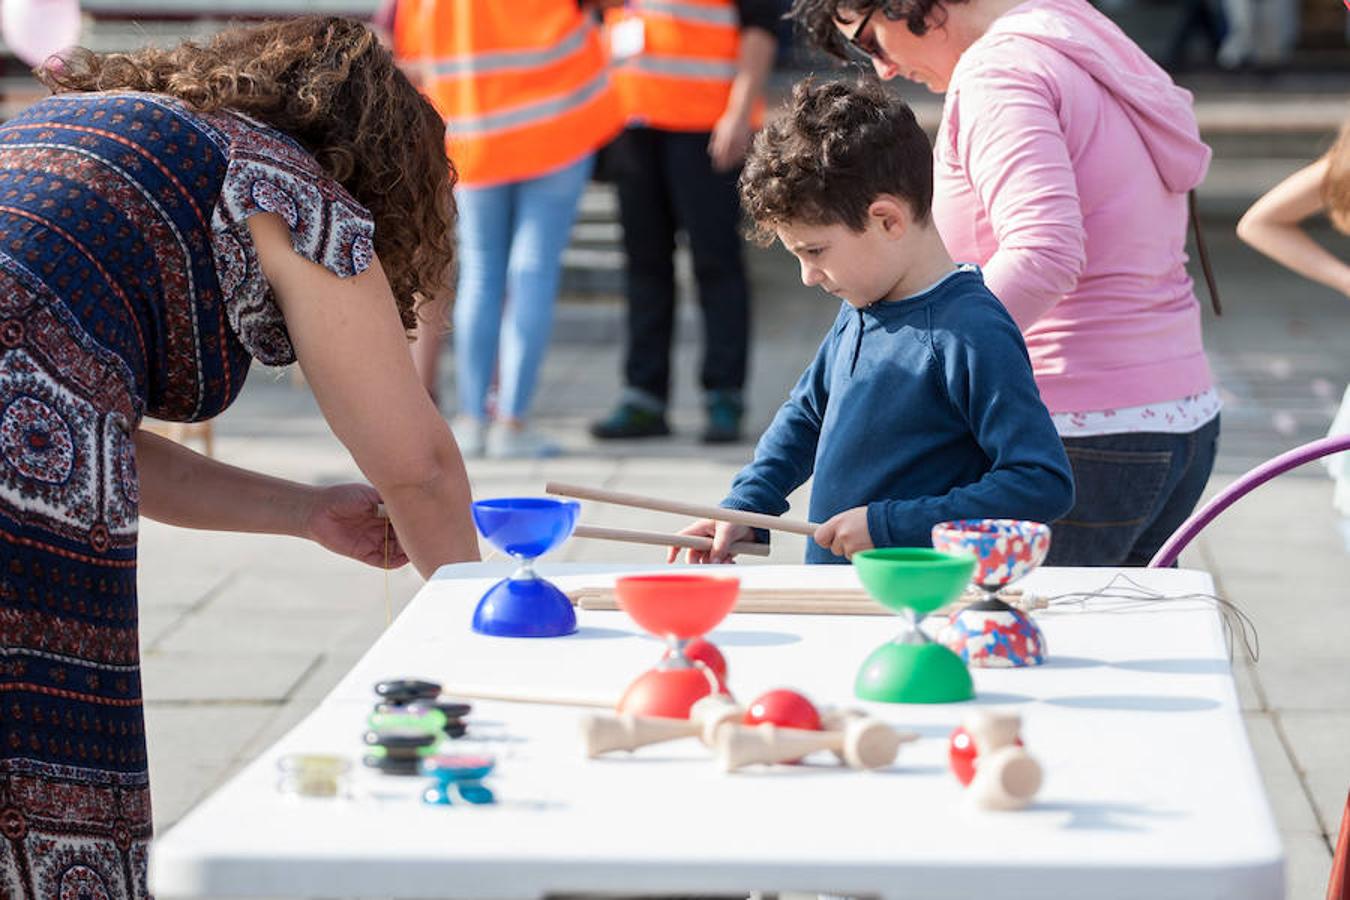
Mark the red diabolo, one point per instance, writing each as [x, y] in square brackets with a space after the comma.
[680, 609]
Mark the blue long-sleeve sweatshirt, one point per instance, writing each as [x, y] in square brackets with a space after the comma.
[923, 410]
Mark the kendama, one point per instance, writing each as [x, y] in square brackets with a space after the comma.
[679, 609]
[990, 632]
[987, 756]
[857, 740]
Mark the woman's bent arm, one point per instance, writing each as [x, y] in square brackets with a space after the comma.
[355, 354]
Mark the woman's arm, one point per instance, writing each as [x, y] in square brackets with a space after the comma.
[183, 488]
[1013, 150]
[1273, 226]
[354, 352]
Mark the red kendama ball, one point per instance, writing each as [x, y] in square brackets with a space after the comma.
[961, 753]
[703, 651]
[706, 652]
[784, 708]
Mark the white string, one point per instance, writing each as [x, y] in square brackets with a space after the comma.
[1136, 596]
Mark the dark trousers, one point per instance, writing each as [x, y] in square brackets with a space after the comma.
[1131, 492]
[667, 184]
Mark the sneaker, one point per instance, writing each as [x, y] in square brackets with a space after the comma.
[471, 435]
[629, 420]
[507, 442]
[725, 409]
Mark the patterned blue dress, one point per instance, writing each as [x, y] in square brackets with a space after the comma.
[129, 286]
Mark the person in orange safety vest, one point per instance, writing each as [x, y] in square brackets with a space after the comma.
[527, 96]
[691, 76]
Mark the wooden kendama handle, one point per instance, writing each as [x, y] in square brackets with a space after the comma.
[992, 730]
[1006, 779]
[657, 539]
[836, 719]
[864, 744]
[605, 734]
[697, 510]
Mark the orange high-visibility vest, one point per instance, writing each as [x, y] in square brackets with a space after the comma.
[524, 86]
[681, 78]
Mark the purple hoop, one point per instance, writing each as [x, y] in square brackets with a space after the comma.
[1306, 453]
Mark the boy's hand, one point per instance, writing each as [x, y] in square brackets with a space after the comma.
[723, 535]
[845, 534]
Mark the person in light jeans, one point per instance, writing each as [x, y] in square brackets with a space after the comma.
[511, 241]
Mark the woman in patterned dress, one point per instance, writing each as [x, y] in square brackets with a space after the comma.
[280, 193]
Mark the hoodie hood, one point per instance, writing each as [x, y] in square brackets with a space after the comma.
[1162, 112]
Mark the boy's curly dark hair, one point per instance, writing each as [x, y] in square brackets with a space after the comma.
[329, 83]
[817, 18]
[837, 148]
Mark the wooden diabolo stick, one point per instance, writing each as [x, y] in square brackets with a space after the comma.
[697, 510]
[656, 539]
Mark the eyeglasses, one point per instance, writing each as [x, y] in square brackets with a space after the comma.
[869, 48]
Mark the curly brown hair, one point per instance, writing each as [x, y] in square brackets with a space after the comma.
[1336, 183]
[329, 83]
[819, 18]
[836, 148]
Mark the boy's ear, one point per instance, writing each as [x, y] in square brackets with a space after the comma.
[891, 215]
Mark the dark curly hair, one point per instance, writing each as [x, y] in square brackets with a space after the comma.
[837, 147]
[818, 18]
[331, 85]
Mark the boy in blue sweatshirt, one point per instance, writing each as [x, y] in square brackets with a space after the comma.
[920, 405]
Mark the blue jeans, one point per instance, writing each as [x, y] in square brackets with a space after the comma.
[1131, 492]
[511, 240]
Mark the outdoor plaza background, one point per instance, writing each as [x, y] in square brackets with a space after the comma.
[243, 634]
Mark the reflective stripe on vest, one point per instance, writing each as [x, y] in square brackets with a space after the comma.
[681, 80]
[514, 60]
[689, 12]
[523, 87]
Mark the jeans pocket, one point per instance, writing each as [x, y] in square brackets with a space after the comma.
[1116, 493]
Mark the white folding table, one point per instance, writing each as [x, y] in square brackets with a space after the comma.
[1151, 789]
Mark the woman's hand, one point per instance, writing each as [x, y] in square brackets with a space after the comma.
[345, 518]
[845, 534]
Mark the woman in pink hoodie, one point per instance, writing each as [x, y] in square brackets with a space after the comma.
[1061, 167]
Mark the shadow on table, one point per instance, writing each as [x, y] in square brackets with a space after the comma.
[1135, 702]
[1176, 666]
[591, 633]
[1104, 816]
[739, 638]
[1070, 662]
[994, 698]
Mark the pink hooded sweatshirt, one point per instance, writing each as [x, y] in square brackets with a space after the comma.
[1061, 167]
